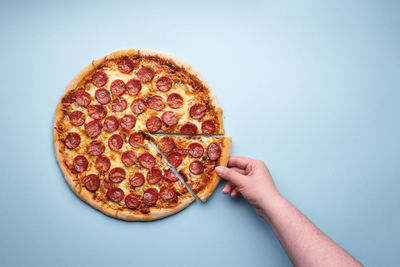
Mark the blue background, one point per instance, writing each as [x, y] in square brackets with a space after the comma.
[311, 88]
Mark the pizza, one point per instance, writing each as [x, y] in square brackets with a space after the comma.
[195, 159]
[110, 128]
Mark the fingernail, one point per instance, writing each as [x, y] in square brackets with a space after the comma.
[219, 169]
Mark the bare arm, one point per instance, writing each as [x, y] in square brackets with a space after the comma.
[303, 242]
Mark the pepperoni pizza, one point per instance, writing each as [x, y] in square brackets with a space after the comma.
[106, 117]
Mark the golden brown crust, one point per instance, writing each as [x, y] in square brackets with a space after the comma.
[125, 214]
[156, 213]
[215, 179]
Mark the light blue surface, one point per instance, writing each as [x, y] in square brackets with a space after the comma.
[311, 88]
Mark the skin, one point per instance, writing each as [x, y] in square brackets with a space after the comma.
[304, 243]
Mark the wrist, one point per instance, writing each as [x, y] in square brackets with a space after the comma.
[270, 203]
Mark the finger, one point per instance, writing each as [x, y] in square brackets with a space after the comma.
[235, 193]
[227, 188]
[243, 172]
[230, 175]
[240, 162]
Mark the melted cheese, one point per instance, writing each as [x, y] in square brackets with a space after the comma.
[148, 89]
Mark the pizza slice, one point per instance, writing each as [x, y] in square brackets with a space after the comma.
[195, 159]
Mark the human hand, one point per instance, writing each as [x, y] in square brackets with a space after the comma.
[252, 179]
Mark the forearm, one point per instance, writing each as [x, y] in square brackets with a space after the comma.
[304, 243]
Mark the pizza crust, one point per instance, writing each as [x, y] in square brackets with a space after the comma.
[128, 215]
[215, 179]
[86, 195]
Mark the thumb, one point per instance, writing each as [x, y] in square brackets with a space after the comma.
[229, 174]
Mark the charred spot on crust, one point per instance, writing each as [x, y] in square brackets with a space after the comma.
[99, 67]
[68, 98]
[145, 210]
[170, 66]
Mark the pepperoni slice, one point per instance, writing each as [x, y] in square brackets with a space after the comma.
[125, 65]
[175, 158]
[115, 194]
[129, 158]
[168, 192]
[170, 175]
[137, 180]
[208, 127]
[183, 175]
[133, 87]
[154, 175]
[166, 144]
[196, 150]
[164, 84]
[96, 148]
[136, 140]
[196, 167]
[82, 98]
[115, 142]
[97, 112]
[153, 124]
[117, 175]
[146, 74]
[119, 104]
[138, 106]
[111, 124]
[214, 151]
[93, 128]
[80, 163]
[132, 201]
[92, 182]
[150, 196]
[99, 78]
[197, 111]
[128, 122]
[189, 128]
[117, 88]
[102, 163]
[102, 96]
[175, 100]
[77, 118]
[72, 140]
[156, 103]
[170, 118]
[147, 160]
